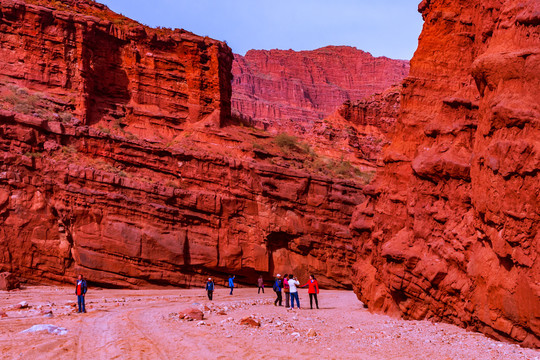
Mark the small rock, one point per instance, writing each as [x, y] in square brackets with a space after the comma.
[47, 313]
[3, 314]
[23, 305]
[191, 314]
[249, 321]
[295, 334]
[311, 333]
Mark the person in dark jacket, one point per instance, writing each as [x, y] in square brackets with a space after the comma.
[80, 291]
[210, 288]
[231, 283]
[277, 288]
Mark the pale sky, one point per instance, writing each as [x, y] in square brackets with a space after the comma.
[382, 27]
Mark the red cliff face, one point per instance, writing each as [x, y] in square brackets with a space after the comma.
[271, 86]
[451, 228]
[111, 68]
[113, 166]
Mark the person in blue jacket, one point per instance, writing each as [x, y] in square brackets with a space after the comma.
[210, 288]
[278, 285]
[231, 283]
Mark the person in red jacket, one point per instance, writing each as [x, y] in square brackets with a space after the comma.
[313, 290]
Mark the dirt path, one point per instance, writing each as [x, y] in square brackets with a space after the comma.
[144, 324]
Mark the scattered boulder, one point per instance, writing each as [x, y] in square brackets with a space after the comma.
[191, 314]
[250, 321]
[51, 329]
[47, 313]
[3, 314]
[23, 305]
[8, 281]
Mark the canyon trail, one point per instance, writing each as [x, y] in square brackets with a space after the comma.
[144, 324]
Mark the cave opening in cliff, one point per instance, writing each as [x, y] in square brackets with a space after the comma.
[278, 246]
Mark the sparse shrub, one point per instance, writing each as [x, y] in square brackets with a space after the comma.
[65, 117]
[286, 141]
[34, 155]
[23, 108]
[177, 184]
[104, 129]
[257, 146]
[70, 149]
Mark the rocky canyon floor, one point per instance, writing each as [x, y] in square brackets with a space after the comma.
[144, 324]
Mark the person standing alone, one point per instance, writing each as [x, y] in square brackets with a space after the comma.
[210, 288]
[231, 283]
[260, 284]
[313, 290]
[80, 291]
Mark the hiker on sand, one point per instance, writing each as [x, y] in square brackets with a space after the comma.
[80, 291]
[260, 284]
[231, 282]
[313, 290]
[286, 289]
[210, 288]
[293, 283]
[277, 288]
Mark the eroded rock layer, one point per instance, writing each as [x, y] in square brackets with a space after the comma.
[271, 86]
[113, 68]
[450, 230]
[115, 162]
[125, 212]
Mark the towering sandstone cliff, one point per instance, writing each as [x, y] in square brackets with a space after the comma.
[450, 230]
[272, 86]
[115, 161]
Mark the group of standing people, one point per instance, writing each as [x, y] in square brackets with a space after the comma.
[289, 284]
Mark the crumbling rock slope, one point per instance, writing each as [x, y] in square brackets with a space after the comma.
[450, 230]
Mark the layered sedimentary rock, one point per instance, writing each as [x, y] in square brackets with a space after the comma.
[373, 120]
[114, 164]
[271, 86]
[128, 213]
[450, 230]
[113, 68]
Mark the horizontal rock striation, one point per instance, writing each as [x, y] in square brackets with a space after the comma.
[126, 212]
[116, 162]
[450, 230]
[114, 69]
[272, 86]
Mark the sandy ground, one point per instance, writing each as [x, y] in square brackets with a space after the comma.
[144, 324]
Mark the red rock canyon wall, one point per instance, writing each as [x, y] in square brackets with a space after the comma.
[114, 163]
[450, 230]
[271, 86]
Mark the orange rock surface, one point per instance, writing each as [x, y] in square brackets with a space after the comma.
[450, 230]
[120, 161]
[300, 87]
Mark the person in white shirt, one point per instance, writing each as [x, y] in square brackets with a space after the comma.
[293, 283]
